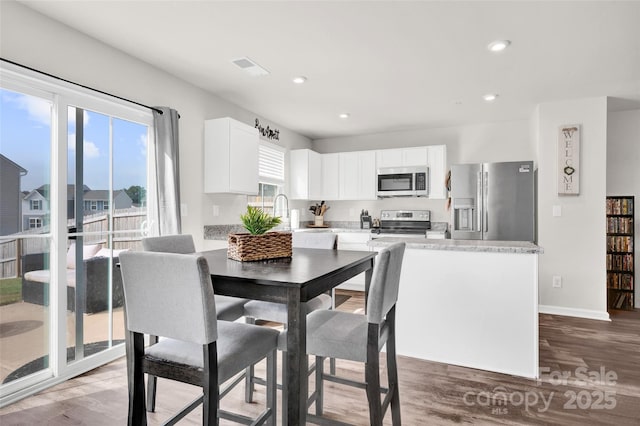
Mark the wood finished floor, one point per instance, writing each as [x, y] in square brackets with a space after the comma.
[431, 393]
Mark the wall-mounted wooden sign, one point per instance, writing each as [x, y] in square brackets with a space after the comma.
[569, 160]
[269, 133]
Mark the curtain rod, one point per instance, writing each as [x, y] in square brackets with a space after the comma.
[159, 111]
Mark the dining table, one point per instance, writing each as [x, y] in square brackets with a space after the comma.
[292, 281]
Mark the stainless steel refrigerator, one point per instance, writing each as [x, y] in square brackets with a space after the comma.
[493, 201]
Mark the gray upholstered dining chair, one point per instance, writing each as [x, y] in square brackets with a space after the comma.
[357, 337]
[277, 312]
[195, 347]
[227, 308]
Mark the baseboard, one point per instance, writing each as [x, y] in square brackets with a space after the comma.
[573, 312]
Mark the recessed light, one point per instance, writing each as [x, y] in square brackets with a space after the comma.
[344, 115]
[490, 97]
[498, 45]
[300, 79]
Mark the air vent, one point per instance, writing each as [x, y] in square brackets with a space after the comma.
[250, 67]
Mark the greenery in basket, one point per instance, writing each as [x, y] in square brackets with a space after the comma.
[258, 222]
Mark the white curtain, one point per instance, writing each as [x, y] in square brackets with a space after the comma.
[164, 212]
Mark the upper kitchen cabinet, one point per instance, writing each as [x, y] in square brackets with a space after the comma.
[230, 157]
[402, 157]
[437, 156]
[330, 176]
[305, 174]
[358, 175]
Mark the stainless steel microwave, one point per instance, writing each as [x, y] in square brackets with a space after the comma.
[403, 182]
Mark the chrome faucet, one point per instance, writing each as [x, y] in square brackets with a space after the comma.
[275, 199]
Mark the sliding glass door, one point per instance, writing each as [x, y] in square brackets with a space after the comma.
[74, 197]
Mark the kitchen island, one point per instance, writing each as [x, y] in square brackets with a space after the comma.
[469, 303]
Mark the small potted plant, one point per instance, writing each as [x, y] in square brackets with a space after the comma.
[258, 244]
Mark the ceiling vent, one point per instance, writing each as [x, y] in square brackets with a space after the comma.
[250, 67]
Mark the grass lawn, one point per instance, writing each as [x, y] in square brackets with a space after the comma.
[10, 290]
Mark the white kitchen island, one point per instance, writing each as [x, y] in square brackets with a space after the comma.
[469, 303]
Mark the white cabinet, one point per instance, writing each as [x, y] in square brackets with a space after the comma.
[388, 158]
[415, 156]
[305, 171]
[330, 176]
[230, 157]
[402, 157]
[354, 241]
[358, 175]
[437, 171]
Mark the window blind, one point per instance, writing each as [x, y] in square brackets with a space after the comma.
[270, 164]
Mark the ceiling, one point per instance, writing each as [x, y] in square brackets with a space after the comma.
[391, 65]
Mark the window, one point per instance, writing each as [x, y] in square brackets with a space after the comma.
[94, 205]
[36, 204]
[105, 205]
[271, 177]
[35, 222]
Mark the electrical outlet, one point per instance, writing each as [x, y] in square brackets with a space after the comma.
[557, 281]
[216, 211]
[183, 210]
[557, 211]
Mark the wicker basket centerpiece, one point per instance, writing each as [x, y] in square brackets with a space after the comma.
[258, 244]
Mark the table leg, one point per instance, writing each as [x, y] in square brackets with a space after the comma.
[297, 361]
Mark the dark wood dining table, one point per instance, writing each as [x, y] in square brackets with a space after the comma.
[295, 280]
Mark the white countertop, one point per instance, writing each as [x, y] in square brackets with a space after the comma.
[522, 247]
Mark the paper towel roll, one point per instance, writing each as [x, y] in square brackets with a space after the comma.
[295, 218]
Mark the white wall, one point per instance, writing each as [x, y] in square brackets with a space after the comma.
[502, 141]
[574, 244]
[34, 40]
[623, 166]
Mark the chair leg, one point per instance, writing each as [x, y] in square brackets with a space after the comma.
[210, 388]
[372, 373]
[285, 371]
[272, 386]
[152, 382]
[135, 379]
[319, 385]
[372, 376]
[392, 371]
[249, 373]
[248, 384]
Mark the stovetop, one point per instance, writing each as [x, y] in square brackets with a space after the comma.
[404, 222]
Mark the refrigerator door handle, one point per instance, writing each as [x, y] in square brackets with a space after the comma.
[479, 204]
[485, 200]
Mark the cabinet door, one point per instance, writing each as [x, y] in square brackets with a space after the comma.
[415, 156]
[437, 171]
[367, 175]
[358, 175]
[388, 158]
[349, 176]
[299, 174]
[315, 175]
[243, 159]
[330, 176]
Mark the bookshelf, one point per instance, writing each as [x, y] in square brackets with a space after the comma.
[620, 253]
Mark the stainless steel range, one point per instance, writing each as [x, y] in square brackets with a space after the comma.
[405, 223]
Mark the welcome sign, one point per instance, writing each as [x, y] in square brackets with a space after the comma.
[569, 160]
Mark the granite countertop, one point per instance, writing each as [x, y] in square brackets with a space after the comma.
[521, 247]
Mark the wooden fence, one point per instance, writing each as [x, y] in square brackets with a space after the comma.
[127, 233]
